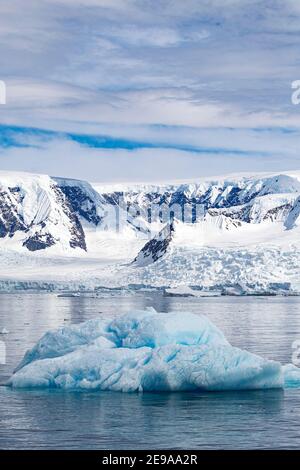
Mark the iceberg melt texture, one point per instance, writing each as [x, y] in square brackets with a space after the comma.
[147, 351]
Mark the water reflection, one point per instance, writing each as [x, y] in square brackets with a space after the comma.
[266, 326]
[108, 420]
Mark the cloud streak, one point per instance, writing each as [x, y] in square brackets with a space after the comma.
[185, 72]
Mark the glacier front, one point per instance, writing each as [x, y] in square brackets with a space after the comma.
[237, 235]
[147, 351]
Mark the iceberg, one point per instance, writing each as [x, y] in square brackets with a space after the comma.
[147, 351]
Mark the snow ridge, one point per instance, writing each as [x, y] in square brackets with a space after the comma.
[293, 216]
[63, 232]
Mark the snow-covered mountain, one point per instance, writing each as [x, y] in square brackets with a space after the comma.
[293, 215]
[41, 211]
[229, 231]
[247, 199]
[38, 212]
[157, 247]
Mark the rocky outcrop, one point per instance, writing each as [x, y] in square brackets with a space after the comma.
[155, 248]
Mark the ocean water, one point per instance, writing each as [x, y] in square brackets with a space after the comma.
[106, 420]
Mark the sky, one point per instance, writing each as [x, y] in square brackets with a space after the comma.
[137, 90]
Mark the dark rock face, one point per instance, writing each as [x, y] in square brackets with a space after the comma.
[157, 247]
[78, 202]
[39, 242]
[183, 200]
[81, 203]
[283, 209]
[244, 213]
[10, 220]
[113, 198]
[233, 201]
[293, 216]
[77, 233]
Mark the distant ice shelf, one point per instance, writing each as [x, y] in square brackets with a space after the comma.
[145, 351]
[187, 291]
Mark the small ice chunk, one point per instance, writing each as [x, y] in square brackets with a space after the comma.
[291, 376]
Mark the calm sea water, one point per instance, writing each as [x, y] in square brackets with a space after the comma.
[106, 420]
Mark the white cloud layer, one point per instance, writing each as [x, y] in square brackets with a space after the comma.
[63, 157]
[123, 66]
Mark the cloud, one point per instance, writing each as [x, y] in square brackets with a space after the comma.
[182, 71]
[150, 157]
[59, 106]
[153, 36]
[69, 159]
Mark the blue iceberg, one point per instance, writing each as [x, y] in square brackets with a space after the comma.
[147, 351]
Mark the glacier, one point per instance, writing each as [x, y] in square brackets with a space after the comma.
[58, 234]
[144, 351]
